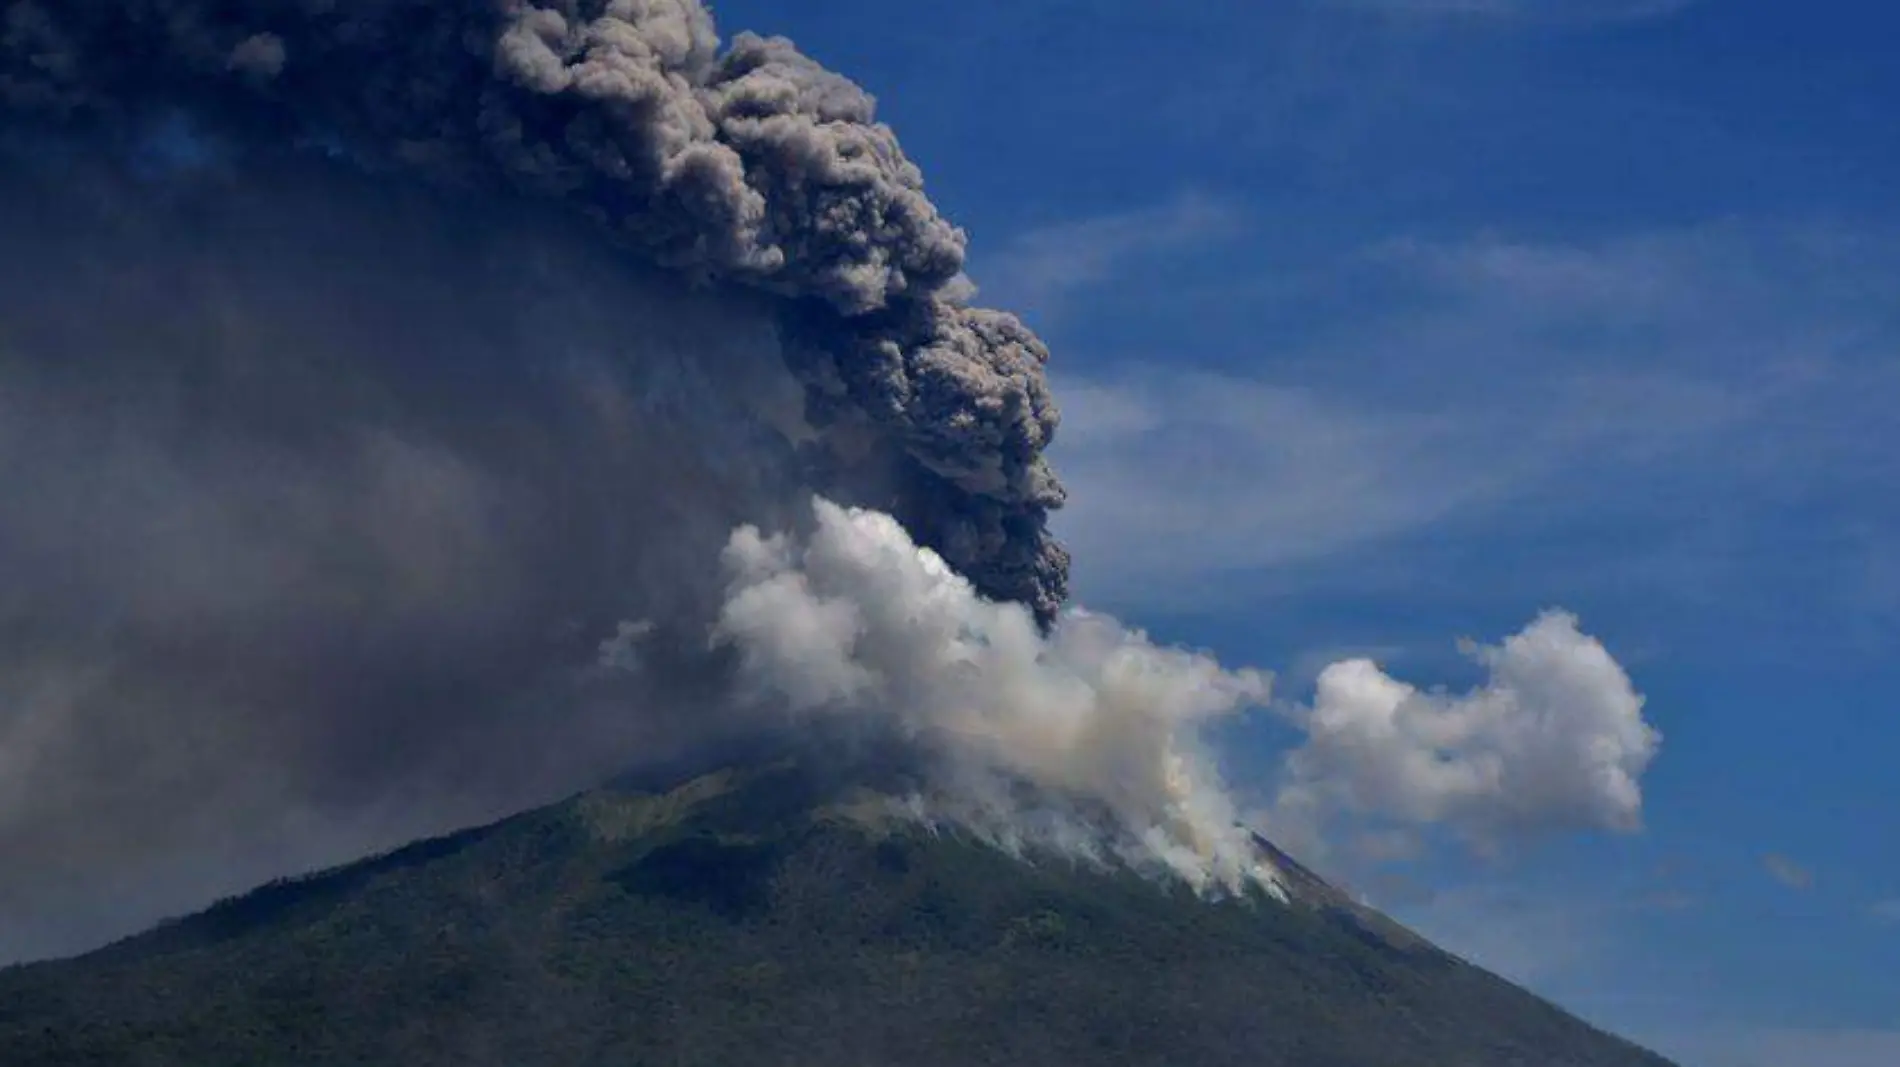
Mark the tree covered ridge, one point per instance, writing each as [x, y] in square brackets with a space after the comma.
[767, 915]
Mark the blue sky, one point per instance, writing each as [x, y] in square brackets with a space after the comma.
[1382, 323]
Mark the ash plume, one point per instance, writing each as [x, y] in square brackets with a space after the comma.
[412, 411]
[752, 165]
[379, 380]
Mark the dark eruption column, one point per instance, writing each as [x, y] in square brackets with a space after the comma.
[752, 166]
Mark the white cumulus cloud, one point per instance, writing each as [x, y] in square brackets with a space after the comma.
[1554, 740]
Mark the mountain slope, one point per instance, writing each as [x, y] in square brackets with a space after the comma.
[767, 916]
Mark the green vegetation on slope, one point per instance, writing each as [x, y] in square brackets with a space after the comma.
[759, 917]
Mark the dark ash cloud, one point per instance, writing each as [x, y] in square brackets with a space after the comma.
[752, 165]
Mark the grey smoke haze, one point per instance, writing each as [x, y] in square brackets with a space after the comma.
[323, 500]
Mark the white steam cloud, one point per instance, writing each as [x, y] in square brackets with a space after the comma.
[855, 621]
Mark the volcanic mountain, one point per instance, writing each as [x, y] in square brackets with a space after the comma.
[775, 912]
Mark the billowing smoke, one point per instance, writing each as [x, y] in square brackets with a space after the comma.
[752, 165]
[1554, 740]
[854, 621]
[382, 383]
[857, 621]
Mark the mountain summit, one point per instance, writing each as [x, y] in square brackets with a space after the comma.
[774, 914]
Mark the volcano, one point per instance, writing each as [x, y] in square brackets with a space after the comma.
[776, 911]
